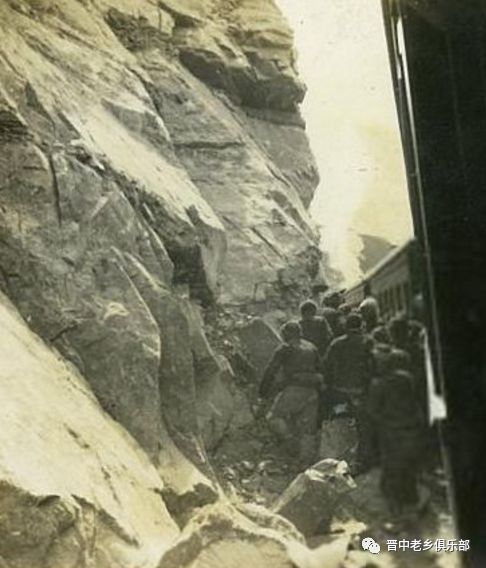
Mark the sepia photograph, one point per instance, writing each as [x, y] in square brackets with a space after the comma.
[242, 319]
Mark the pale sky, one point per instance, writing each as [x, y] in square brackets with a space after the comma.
[352, 124]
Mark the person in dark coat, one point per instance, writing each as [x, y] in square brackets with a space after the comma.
[349, 361]
[400, 332]
[293, 376]
[394, 405]
[315, 329]
[381, 351]
[382, 347]
[348, 369]
[331, 313]
[408, 335]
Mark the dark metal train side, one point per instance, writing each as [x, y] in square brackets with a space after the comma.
[394, 282]
[438, 63]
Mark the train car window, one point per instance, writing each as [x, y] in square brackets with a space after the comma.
[398, 295]
[391, 301]
[383, 305]
[381, 302]
[408, 296]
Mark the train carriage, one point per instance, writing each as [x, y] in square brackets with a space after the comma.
[394, 282]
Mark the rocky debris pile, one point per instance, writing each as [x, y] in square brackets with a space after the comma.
[251, 465]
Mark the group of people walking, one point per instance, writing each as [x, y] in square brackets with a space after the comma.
[336, 361]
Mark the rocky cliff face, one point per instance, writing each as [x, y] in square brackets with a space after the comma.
[153, 164]
[75, 488]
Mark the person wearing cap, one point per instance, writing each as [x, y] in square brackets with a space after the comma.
[381, 350]
[348, 368]
[331, 313]
[370, 312]
[293, 377]
[395, 406]
[315, 329]
[400, 332]
[382, 347]
[349, 359]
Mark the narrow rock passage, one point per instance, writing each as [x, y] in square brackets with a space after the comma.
[253, 468]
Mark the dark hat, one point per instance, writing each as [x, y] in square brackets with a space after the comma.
[354, 321]
[381, 334]
[290, 330]
[320, 287]
[332, 299]
[308, 308]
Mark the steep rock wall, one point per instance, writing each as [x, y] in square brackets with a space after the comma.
[153, 162]
[75, 488]
[130, 88]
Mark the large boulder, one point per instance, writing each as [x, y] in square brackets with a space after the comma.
[214, 381]
[312, 499]
[75, 488]
[219, 536]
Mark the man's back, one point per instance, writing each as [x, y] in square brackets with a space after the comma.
[349, 362]
[292, 361]
[301, 358]
[394, 400]
[317, 331]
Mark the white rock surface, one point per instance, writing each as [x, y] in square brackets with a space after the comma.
[75, 489]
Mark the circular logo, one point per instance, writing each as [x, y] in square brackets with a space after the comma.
[370, 545]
